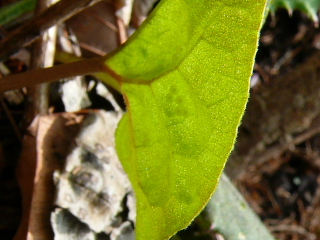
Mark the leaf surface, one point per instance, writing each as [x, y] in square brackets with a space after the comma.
[185, 79]
[232, 216]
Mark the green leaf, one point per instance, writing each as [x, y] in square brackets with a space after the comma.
[11, 12]
[185, 79]
[231, 215]
[310, 7]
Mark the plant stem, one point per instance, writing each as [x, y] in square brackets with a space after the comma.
[42, 56]
[56, 73]
[107, 76]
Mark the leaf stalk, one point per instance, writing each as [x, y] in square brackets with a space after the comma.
[37, 76]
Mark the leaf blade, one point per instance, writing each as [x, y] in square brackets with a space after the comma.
[184, 106]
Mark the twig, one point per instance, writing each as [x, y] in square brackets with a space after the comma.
[27, 33]
[290, 228]
[51, 74]
[105, 22]
[42, 56]
[122, 31]
[277, 150]
[93, 49]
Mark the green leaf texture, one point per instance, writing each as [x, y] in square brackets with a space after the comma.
[185, 79]
[13, 11]
[232, 216]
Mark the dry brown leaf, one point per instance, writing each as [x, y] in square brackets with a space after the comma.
[41, 156]
[96, 29]
[25, 173]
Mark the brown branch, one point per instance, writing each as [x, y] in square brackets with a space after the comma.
[42, 56]
[38, 224]
[27, 33]
[51, 74]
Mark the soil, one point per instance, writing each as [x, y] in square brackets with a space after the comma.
[285, 190]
